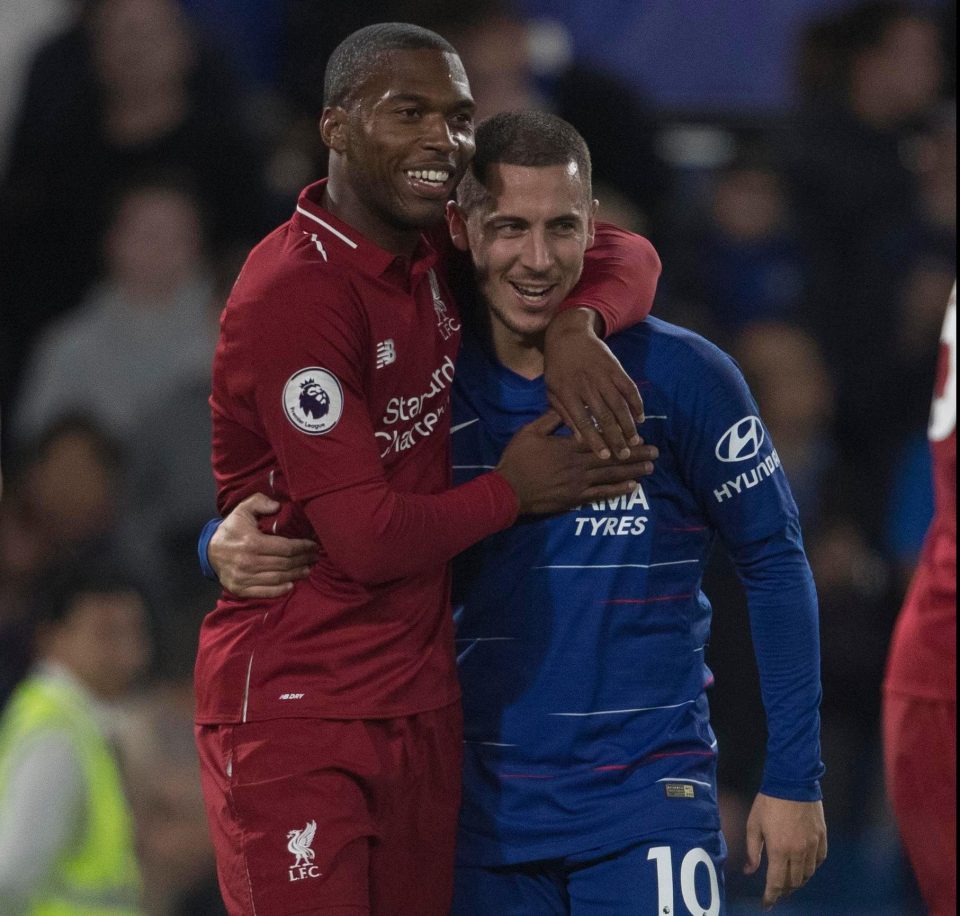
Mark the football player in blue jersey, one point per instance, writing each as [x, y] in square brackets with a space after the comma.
[590, 765]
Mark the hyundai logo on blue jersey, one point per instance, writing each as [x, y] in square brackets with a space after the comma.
[742, 441]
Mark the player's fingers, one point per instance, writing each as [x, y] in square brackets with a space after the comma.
[816, 854]
[565, 417]
[257, 505]
[547, 424]
[578, 405]
[265, 584]
[618, 400]
[621, 407]
[641, 454]
[606, 421]
[283, 578]
[631, 394]
[796, 873]
[277, 591]
[754, 849]
[810, 864]
[609, 491]
[777, 881]
[279, 569]
[619, 473]
[267, 546]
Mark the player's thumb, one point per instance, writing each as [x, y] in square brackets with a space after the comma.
[549, 423]
[257, 505]
[754, 847]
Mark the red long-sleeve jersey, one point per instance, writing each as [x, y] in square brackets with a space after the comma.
[923, 660]
[331, 392]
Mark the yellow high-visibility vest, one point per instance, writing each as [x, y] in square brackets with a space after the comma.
[98, 875]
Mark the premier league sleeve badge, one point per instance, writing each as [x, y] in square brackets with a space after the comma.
[313, 401]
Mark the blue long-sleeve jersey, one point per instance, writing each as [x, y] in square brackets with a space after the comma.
[583, 637]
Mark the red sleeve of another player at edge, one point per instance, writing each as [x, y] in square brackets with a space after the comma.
[620, 275]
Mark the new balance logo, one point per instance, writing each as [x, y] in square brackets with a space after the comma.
[386, 354]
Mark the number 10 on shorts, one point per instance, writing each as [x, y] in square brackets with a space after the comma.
[663, 856]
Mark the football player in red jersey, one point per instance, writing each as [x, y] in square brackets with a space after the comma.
[920, 692]
[328, 716]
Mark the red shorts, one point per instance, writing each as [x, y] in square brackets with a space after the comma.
[335, 817]
[920, 751]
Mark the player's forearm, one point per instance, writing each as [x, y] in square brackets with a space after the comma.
[619, 281]
[374, 534]
[784, 620]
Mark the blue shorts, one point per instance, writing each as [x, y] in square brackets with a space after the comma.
[677, 874]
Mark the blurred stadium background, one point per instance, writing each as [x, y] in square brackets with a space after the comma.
[794, 161]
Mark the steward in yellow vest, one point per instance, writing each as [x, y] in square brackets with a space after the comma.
[66, 831]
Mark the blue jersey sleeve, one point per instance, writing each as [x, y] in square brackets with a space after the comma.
[786, 639]
[732, 466]
[727, 456]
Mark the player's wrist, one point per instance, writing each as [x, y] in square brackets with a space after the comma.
[804, 791]
[203, 549]
[576, 319]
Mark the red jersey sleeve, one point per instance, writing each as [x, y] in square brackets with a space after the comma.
[299, 370]
[620, 275]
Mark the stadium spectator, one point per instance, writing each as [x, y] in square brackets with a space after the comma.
[741, 262]
[853, 580]
[160, 763]
[855, 197]
[67, 839]
[140, 332]
[126, 92]
[799, 417]
[64, 495]
[24, 25]
[513, 67]
[170, 490]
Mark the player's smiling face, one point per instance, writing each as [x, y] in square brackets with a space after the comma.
[528, 243]
[409, 136]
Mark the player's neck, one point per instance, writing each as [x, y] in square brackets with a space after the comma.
[520, 354]
[340, 200]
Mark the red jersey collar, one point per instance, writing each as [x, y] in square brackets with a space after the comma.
[359, 251]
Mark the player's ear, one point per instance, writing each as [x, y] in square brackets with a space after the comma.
[333, 129]
[592, 223]
[457, 224]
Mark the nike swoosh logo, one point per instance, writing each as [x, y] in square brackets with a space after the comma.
[457, 429]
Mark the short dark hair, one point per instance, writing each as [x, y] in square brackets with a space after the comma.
[359, 55]
[527, 138]
[866, 26]
[107, 449]
[830, 47]
[82, 572]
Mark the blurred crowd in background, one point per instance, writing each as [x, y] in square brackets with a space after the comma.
[810, 229]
